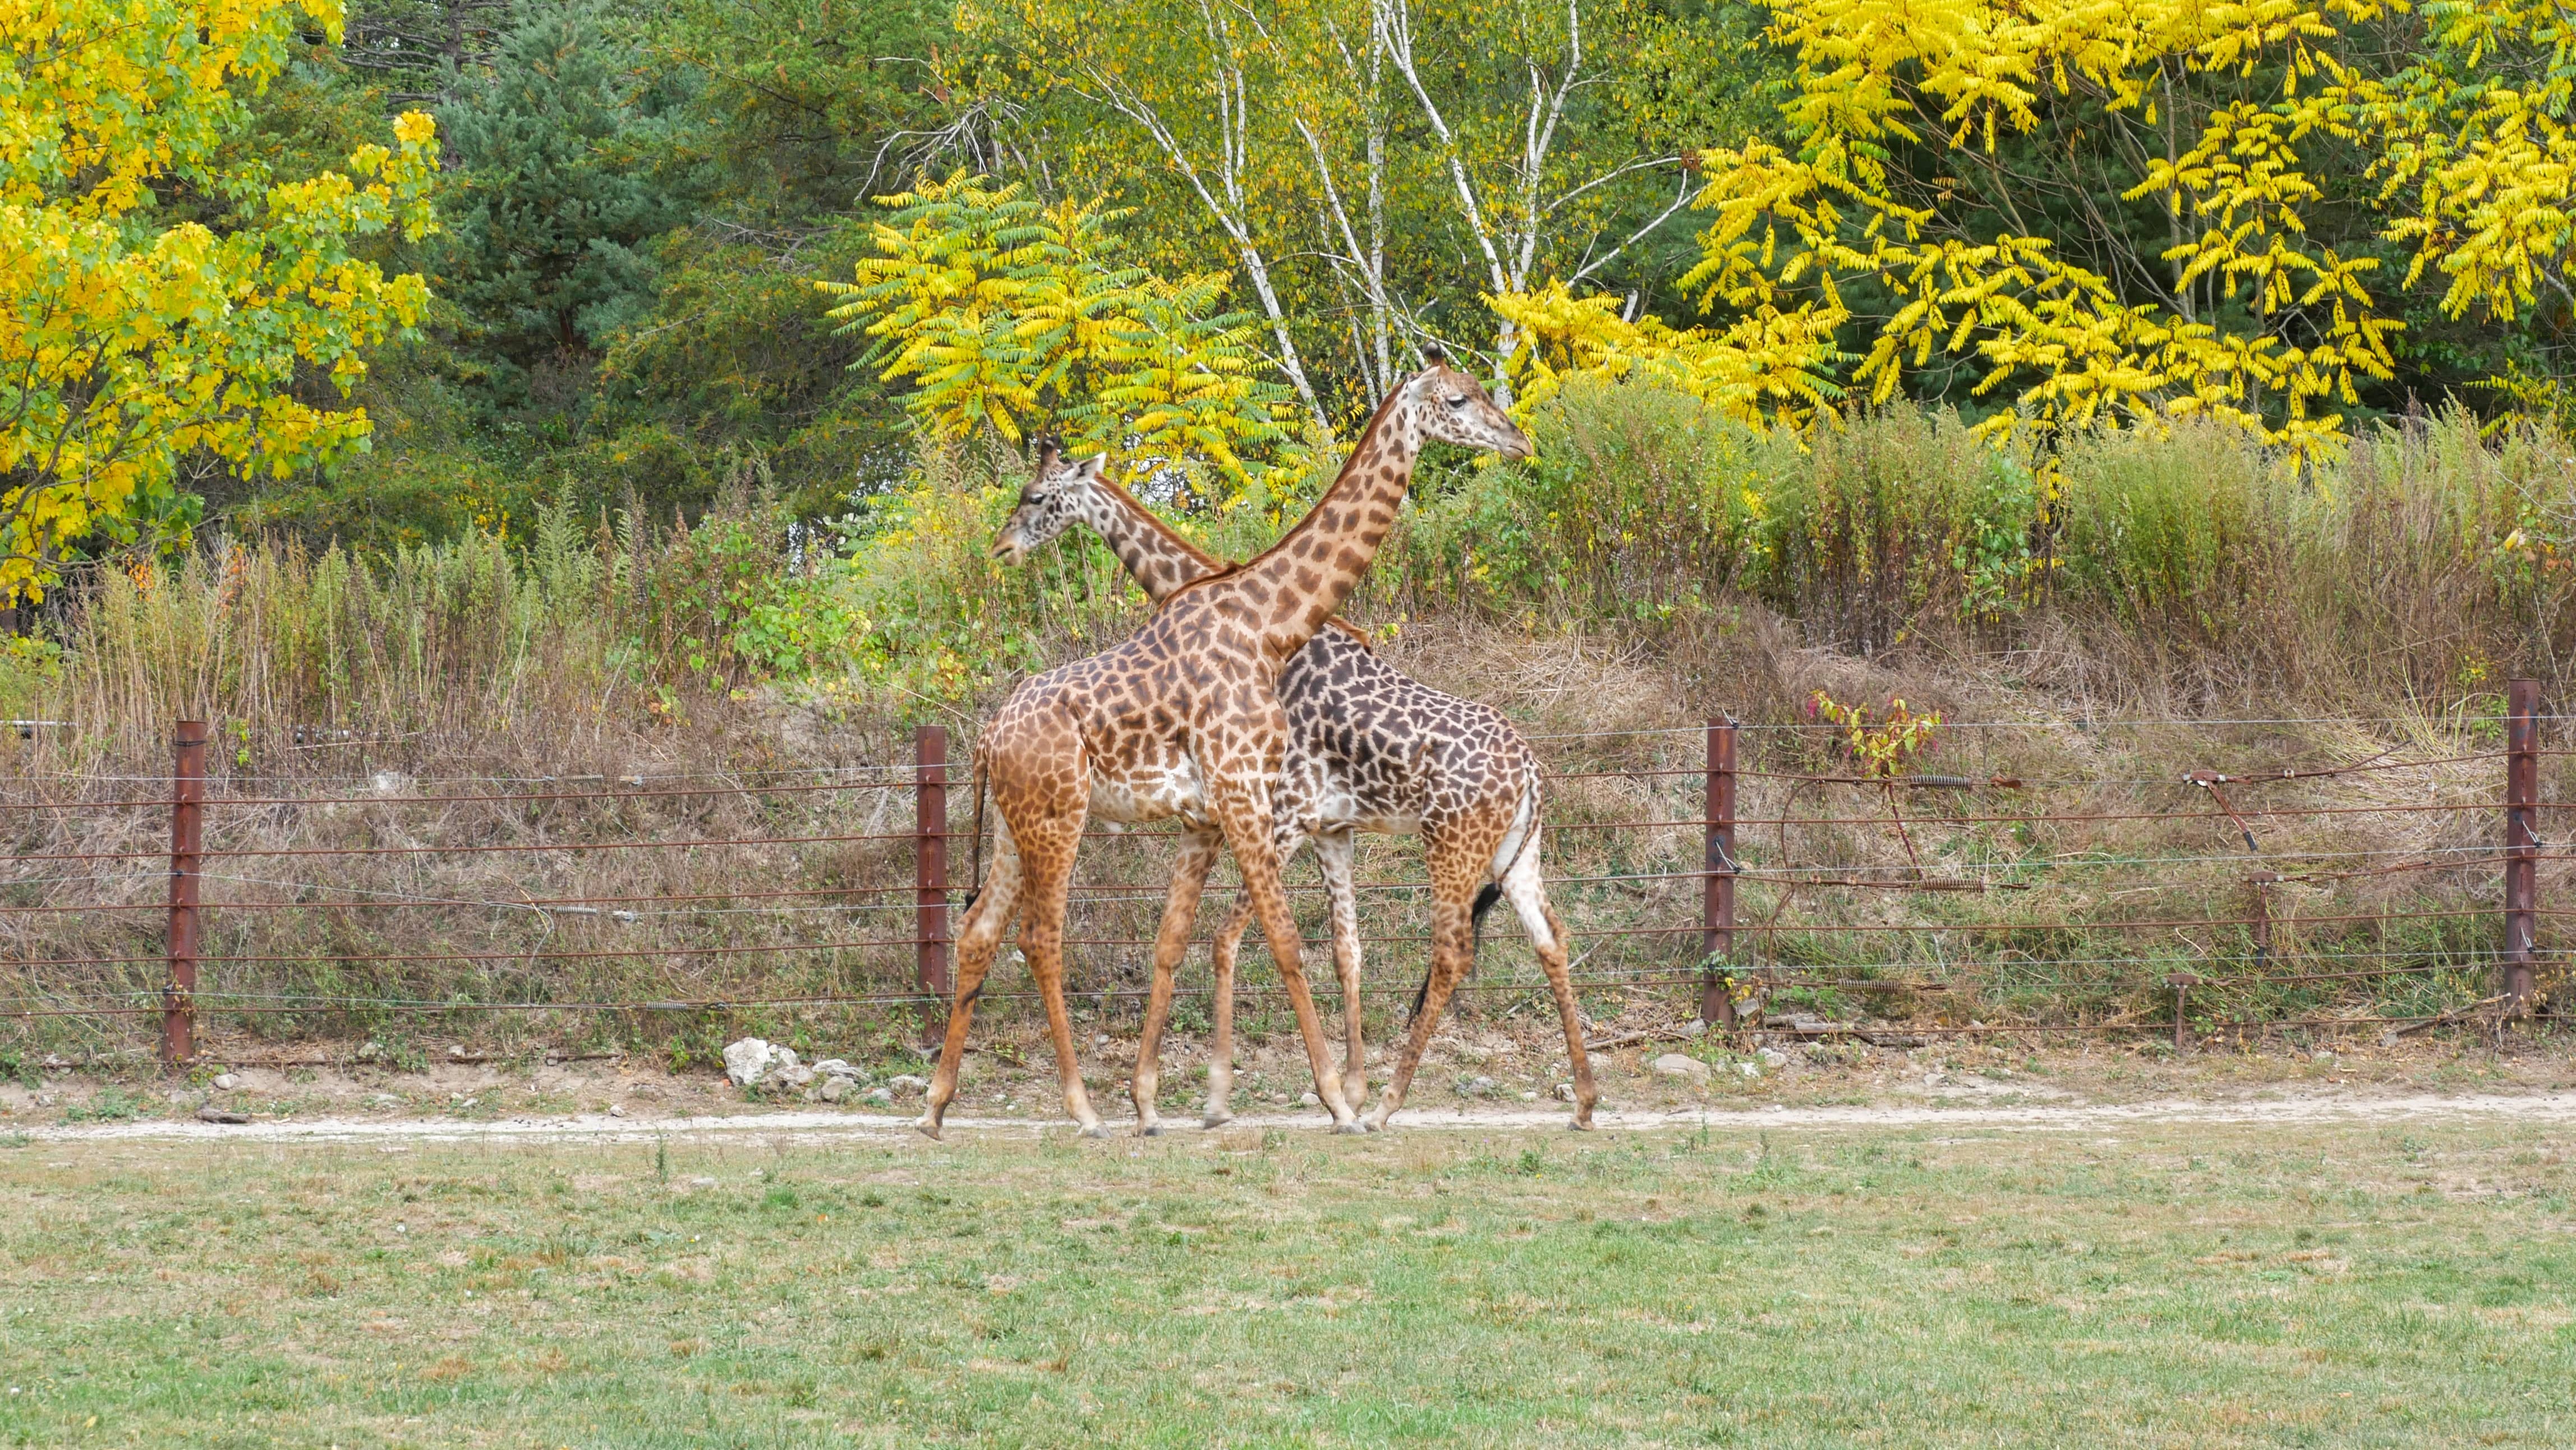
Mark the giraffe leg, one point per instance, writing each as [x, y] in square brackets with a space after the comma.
[1453, 951]
[1042, 937]
[1171, 943]
[1229, 940]
[977, 942]
[1245, 814]
[1459, 852]
[1527, 892]
[1333, 851]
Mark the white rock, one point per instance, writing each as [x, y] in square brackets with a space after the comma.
[226, 1082]
[1674, 1064]
[617, 1110]
[904, 1085]
[1749, 1069]
[1310, 1100]
[44, 1100]
[456, 1049]
[1565, 1092]
[835, 1067]
[833, 1089]
[1694, 1028]
[1479, 1086]
[1773, 1057]
[880, 1097]
[1529, 1097]
[749, 1060]
[797, 1075]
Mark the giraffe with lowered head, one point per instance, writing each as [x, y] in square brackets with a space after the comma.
[1369, 749]
[1182, 721]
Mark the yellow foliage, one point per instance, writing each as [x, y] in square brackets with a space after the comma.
[125, 343]
[1766, 368]
[1011, 315]
[2470, 142]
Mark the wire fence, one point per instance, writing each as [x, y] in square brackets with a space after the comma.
[1838, 903]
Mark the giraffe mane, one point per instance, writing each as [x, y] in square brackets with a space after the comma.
[1154, 521]
[1359, 450]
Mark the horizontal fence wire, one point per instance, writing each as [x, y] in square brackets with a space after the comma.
[1910, 803]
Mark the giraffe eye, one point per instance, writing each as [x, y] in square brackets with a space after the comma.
[1457, 400]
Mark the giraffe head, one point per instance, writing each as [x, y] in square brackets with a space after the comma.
[1452, 407]
[1050, 502]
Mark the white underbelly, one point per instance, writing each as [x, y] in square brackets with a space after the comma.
[1151, 793]
[1339, 809]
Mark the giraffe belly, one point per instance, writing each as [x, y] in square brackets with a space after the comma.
[1340, 808]
[1150, 791]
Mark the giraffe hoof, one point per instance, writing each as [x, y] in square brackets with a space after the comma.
[1093, 1130]
[1580, 1122]
[929, 1128]
[1215, 1118]
[1352, 1126]
[1149, 1130]
[1374, 1123]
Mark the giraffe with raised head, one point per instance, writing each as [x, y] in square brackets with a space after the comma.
[1182, 721]
[1369, 749]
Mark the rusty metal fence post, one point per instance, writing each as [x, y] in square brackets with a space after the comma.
[2521, 839]
[1717, 885]
[187, 850]
[930, 859]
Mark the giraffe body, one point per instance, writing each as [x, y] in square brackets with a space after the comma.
[1368, 748]
[1182, 721]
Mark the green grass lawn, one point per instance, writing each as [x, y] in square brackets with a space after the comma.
[2185, 1285]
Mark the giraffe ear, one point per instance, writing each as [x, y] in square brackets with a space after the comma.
[1092, 466]
[1048, 453]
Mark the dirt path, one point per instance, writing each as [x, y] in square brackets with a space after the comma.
[816, 1126]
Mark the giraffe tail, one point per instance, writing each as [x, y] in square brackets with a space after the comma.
[977, 879]
[1486, 896]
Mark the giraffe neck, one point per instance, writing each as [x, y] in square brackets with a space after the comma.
[1160, 559]
[1298, 583]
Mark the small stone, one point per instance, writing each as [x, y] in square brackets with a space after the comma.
[1694, 1028]
[905, 1085]
[226, 1082]
[2324, 1056]
[1773, 1057]
[835, 1067]
[221, 1115]
[456, 1050]
[369, 1052]
[1310, 1100]
[748, 1060]
[1749, 1069]
[44, 1100]
[833, 1089]
[1565, 1092]
[617, 1110]
[1480, 1086]
[797, 1075]
[1530, 1097]
[1674, 1064]
[879, 1097]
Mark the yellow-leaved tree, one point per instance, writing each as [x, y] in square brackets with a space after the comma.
[2092, 213]
[130, 339]
[1011, 315]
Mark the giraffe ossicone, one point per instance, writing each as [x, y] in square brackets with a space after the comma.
[1182, 721]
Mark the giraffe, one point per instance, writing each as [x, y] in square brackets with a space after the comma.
[1369, 749]
[1182, 720]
